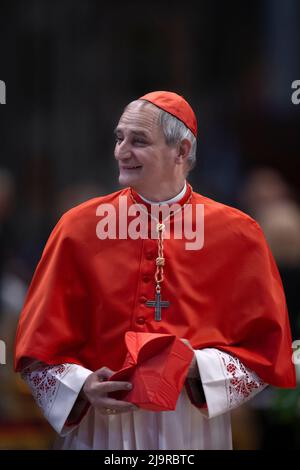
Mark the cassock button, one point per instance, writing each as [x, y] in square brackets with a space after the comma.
[150, 255]
[140, 320]
[142, 299]
[146, 278]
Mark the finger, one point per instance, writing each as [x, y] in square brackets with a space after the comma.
[107, 402]
[107, 387]
[109, 412]
[104, 373]
[186, 341]
[115, 409]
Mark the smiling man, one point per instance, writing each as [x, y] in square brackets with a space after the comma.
[153, 164]
[224, 300]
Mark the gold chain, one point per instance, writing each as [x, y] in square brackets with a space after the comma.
[160, 228]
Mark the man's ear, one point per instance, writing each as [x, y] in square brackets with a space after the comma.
[183, 151]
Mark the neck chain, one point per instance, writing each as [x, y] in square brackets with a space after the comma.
[160, 260]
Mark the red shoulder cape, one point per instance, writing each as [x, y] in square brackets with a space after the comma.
[86, 293]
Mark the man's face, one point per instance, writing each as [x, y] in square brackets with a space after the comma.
[145, 160]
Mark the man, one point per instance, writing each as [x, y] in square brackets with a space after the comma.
[223, 297]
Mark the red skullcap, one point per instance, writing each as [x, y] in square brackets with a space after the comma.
[175, 105]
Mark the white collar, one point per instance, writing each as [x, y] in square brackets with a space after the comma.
[168, 201]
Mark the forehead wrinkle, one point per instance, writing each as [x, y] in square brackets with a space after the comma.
[139, 117]
[133, 131]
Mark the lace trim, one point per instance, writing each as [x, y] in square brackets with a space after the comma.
[242, 383]
[44, 381]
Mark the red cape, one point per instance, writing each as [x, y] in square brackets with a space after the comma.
[86, 293]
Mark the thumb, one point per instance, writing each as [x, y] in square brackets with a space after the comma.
[104, 373]
[186, 341]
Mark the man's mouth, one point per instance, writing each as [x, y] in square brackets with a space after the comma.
[131, 167]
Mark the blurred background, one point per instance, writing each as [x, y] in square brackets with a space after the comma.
[70, 66]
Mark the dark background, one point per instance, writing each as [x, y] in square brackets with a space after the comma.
[70, 67]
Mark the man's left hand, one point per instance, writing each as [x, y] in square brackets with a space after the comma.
[193, 372]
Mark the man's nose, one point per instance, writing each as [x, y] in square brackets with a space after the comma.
[122, 150]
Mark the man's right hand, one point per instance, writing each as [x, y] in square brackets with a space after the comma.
[96, 388]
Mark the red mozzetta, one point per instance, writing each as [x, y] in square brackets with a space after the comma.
[87, 293]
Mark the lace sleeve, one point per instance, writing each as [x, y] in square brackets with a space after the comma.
[241, 383]
[43, 381]
[56, 389]
[227, 382]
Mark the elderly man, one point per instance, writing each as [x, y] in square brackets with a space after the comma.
[100, 277]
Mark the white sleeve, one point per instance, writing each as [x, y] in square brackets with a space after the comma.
[227, 383]
[55, 389]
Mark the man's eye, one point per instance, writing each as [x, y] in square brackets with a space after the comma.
[118, 139]
[139, 141]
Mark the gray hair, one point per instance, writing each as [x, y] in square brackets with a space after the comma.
[174, 131]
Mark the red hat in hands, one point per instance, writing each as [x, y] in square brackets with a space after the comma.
[156, 365]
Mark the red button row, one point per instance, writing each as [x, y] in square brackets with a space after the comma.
[150, 255]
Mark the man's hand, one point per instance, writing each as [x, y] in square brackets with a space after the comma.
[96, 388]
[193, 372]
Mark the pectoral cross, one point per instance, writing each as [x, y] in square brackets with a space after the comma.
[158, 304]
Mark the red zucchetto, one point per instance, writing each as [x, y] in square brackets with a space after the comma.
[175, 105]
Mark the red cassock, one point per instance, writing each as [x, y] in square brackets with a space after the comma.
[87, 293]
